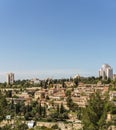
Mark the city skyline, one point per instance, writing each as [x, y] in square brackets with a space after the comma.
[56, 38]
[53, 75]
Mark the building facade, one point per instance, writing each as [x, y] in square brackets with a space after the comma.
[106, 72]
[10, 78]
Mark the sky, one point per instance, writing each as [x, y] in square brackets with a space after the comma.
[56, 38]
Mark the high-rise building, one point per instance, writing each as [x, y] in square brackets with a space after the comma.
[10, 78]
[106, 72]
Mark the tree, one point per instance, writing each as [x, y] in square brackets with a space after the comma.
[68, 93]
[55, 127]
[6, 127]
[9, 93]
[27, 115]
[17, 108]
[22, 126]
[44, 111]
[40, 109]
[76, 81]
[94, 116]
[72, 106]
[62, 109]
[3, 106]
[69, 102]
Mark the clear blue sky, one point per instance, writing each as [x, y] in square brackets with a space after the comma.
[57, 38]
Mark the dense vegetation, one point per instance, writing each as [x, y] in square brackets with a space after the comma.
[95, 113]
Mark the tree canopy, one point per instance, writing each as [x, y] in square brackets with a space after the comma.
[95, 113]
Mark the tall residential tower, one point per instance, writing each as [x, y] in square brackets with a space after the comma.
[10, 78]
[106, 72]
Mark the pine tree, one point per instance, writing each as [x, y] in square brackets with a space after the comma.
[94, 116]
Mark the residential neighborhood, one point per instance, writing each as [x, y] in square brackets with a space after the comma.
[57, 65]
[56, 102]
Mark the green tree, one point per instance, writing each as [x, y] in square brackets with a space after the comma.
[3, 106]
[44, 111]
[68, 93]
[17, 108]
[40, 109]
[55, 127]
[69, 102]
[62, 109]
[20, 126]
[27, 115]
[9, 93]
[94, 116]
[6, 127]
[76, 81]
[72, 106]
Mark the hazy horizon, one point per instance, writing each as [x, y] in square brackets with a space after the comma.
[54, 74]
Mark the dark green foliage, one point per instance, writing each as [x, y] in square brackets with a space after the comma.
[94, 116]
[55, 127]
[6, 127]
[27, 116]
[90, 80]
[44, 111]
[106, 81]
[9, 94]
[35, 111]
[40, 109]
[60, 114]
[3, 106]
[69, 102]
[63, 84]
[17, 108]
[21, 127]
[76, 81]
[79, 113]
[113, 109]
[72, 106]
[68, 93]
[43, 128]
[62, 109]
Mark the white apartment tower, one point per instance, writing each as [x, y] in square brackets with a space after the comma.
[106, 71]
[10, 78]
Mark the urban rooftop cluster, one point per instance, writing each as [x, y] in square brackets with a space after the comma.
[78, 103]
